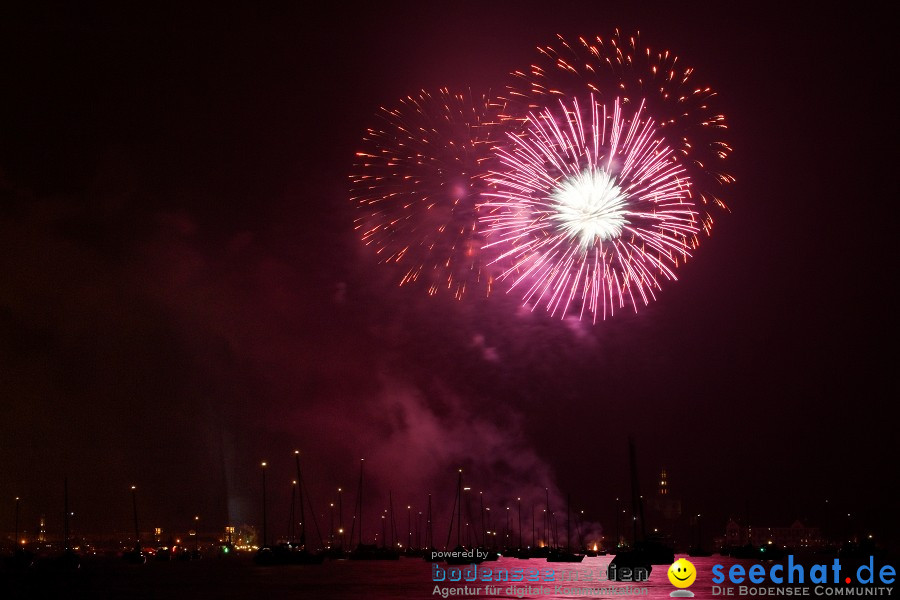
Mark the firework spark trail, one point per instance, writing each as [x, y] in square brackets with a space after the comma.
[595, 207]
[590, 208]
[417, 184]
[620, 67]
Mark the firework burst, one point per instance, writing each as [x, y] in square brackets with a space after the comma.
[590, 209]
[417, 183]
[620, 67]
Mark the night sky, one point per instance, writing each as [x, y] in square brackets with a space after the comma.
[182, 294]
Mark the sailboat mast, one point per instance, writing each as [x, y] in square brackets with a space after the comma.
[458, 508]
[532, 525]
[483, 534]
[547, 518]
[393, 526]
[360, 488]
[429, 533]
[637, 506]
[519, 502]
[300, 493]
[265, 524]
[292, 532]
[137, 532]
[66, 519]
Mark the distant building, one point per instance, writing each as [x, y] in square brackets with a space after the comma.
[663, 506]
[796, 536]
[663, 511]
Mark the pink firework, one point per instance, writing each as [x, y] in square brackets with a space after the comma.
[417, 182]
[591, 210]
[621, 67]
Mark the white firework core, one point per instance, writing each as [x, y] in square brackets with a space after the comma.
[590, 209]
[590, 206]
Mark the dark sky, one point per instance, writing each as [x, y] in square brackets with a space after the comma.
[182, 294]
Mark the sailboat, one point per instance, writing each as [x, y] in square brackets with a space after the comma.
[265, 556]
[298, 553]
[465, 557]
[646, 551]
[367, 551]
[489, 554]
[136, 555]
[390, 551]
[544, 550]
[430, 550]
[698, 549]
[22, 558]
[290, 552]
[413, 551]
[526, 553]
[69, 560]
[566, 555]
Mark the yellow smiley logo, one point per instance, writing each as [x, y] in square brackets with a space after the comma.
[682, 573]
